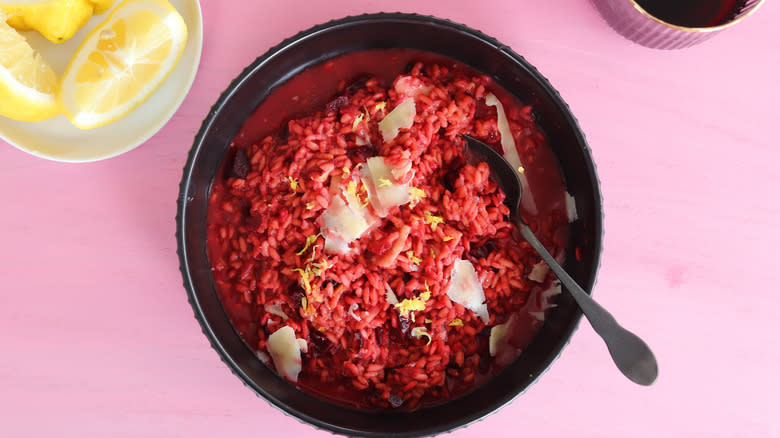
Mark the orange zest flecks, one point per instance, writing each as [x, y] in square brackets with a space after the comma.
[357, 121]
[319, 268]
[307, 244]
[313, 253]
[408, 306]
[358, 194]
[352, 189]
[432, 220]
[306, 276]
[307, 307]
[415, 195]
[419, 332]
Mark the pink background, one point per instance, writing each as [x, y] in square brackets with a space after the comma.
[97, 338]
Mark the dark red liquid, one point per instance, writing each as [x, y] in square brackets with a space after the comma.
[691, 13]
[308, 92]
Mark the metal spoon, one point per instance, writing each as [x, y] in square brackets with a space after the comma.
[631, 355]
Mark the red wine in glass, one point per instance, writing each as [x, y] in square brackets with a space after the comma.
[692, 13]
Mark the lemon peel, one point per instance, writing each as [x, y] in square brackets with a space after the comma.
[420, 332]
[432, 220]
[56, 20]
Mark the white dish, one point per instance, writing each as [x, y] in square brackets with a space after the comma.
[57, 139]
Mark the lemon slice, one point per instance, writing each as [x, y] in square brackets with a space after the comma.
[28, 85]
[122, 62]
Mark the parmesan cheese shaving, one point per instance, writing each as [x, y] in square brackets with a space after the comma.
[554, 290]
[510, 151]
[264, 357]
[285, 352]
[390, 295]
[276, 309]
[571, 208]
[466, 290]
[499, 335]
[351, 311]
[539, 272]
[335, 245]
[545, 301]
[343, 222]
[384, 190]
[411, 86]
[401, 117]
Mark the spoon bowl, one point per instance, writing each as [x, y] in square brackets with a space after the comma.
[630, 353]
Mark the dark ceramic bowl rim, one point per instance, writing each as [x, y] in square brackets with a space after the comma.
[198, 143]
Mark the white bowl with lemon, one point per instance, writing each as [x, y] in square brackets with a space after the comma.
[78, 84]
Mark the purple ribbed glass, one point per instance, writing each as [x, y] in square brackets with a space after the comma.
[632, 21]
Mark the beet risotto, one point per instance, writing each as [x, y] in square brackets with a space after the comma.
[367, 260]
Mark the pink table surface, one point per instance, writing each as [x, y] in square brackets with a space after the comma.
[97, 338]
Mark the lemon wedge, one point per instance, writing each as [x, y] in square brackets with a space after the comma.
[122, 62]
[57, 20]
[101, 5]
[28, 85]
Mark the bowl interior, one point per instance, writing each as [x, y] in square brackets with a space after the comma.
[377, 32]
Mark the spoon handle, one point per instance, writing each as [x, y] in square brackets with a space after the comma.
[631, 355]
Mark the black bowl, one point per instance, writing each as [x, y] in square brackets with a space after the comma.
[379, 31]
